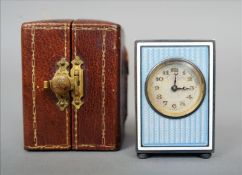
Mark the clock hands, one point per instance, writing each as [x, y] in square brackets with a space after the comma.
[174, 88]
[175, 79]
[183, 88]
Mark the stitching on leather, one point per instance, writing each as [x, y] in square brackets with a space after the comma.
[68, 146]
[75, 41]
[87, 145]
[75, 129]
[96, 28]
[103, 81]
[67, 126]
[42, 23]
[95, 146]
[36, 146]
[65, 42]
[75, 115]
[47, 28]
[65, 54]
[34, 116]
[95, 24]
[49, 147]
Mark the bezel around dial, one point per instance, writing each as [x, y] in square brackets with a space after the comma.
[197, 72]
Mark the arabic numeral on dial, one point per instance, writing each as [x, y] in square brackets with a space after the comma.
[192, 87]
[166, 72]
[157, 87]
[189, 78]
[189, 97]
[159, 96]
[165, 102]
[159, 78]
[174, 106]
[174, 69]
[183, 72]
[182, 103]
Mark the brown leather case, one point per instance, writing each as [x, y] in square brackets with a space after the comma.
[98, 124]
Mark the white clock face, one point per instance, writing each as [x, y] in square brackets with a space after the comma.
[175, 88]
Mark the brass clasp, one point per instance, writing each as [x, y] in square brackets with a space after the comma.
[62, 83]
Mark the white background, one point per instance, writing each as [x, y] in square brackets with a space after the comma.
[185, 19]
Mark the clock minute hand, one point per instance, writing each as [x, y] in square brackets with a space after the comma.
[175, 80]
[174, 87]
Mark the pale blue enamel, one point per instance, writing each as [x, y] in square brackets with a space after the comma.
[157, 130]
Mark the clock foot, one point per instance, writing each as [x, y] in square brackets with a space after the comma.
[205, 155]
[142, 155]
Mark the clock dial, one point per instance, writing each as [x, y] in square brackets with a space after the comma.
[175, 88]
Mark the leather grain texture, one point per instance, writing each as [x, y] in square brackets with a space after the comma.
[98, 124]
[43, 44]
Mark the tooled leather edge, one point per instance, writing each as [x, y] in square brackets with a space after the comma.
[104, 29]
[103, 89]
[33, 27]
[96, 26]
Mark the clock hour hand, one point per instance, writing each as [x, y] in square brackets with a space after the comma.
[175, 88]
[183, 88]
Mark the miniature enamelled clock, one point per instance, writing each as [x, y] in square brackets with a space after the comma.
[175, 97]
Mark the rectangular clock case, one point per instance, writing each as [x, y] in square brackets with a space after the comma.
[74, 77]
[158, 134]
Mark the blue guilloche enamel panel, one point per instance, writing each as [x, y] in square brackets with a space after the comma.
[157, 130]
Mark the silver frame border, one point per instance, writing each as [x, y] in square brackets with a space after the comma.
[211, 45]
